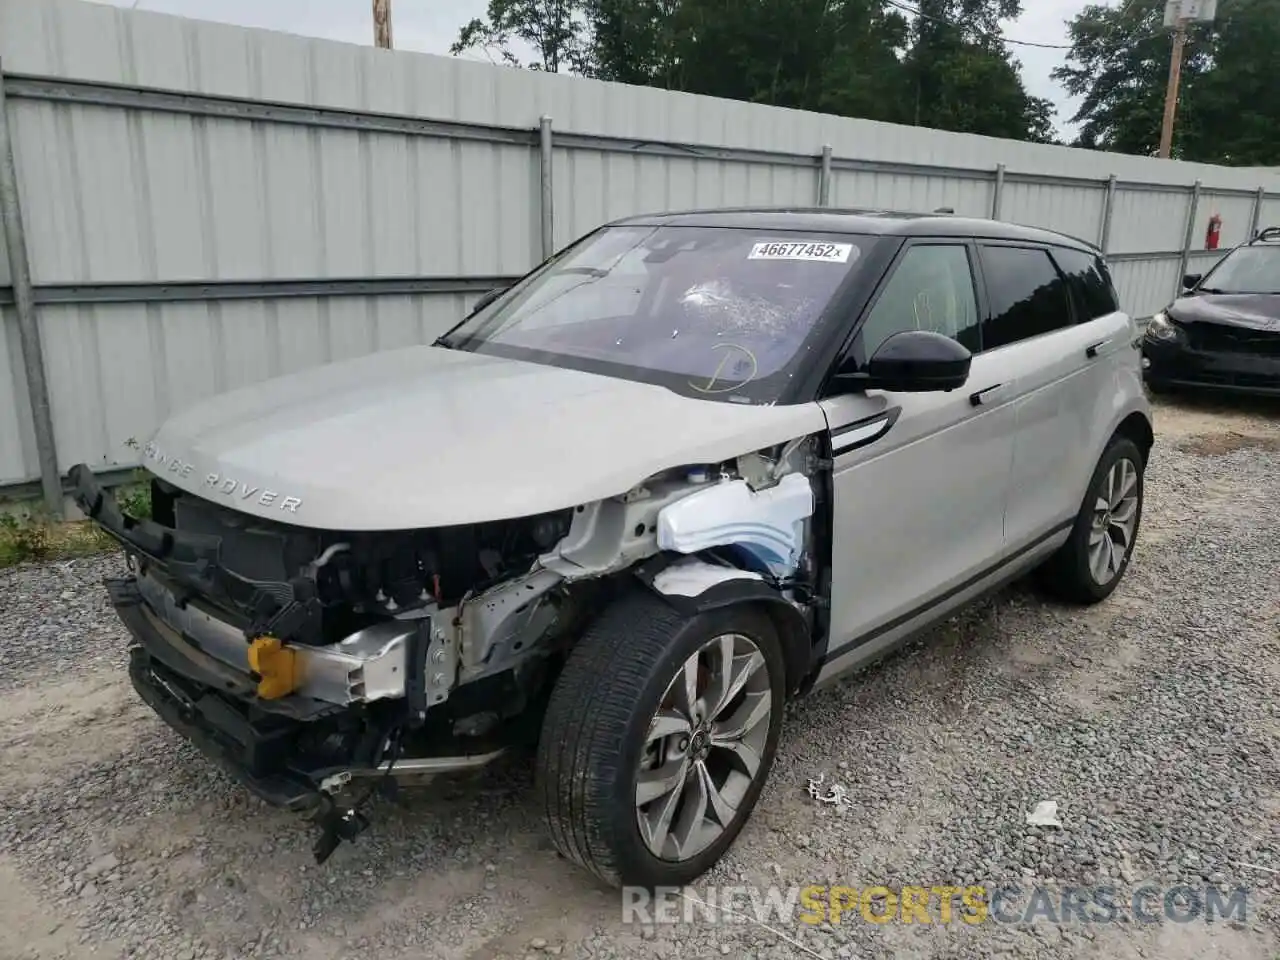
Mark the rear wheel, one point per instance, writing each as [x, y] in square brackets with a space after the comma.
[1092, 562]
[658, 738]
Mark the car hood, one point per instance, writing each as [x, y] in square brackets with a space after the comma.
[1253, 311]
[425, 436]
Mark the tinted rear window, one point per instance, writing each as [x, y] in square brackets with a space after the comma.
[1089, 282]
[1026, 294]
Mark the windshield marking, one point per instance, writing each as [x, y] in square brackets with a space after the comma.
[735, 384]
[805, 250]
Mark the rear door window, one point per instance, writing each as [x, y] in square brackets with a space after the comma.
[1089, 283]
[1026, 294]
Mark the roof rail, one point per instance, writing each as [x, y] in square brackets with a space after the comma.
[1268, 234]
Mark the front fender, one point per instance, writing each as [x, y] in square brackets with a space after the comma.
[693, 586]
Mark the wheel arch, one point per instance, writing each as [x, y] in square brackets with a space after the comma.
[692, 586]
[1137, 427]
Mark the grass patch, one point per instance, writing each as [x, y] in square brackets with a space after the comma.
[36, 538]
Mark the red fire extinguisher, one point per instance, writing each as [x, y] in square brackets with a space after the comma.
[1214, 233]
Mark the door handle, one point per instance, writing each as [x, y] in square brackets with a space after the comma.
[1091, 351]
[982, 396]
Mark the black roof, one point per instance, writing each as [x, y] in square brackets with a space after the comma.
[888, 223]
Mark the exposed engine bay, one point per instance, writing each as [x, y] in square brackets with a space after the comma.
[307, 658]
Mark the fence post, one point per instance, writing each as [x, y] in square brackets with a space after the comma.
[1188, 237]
[1259, 199]
[824, 177]
[24, 302]
[1109, 204]
[997, 195]
[547, 212]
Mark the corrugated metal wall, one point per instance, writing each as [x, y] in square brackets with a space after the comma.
[177, 176]
[17, 444]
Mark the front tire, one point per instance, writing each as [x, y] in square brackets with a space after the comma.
[658, 738]
[1091, 564]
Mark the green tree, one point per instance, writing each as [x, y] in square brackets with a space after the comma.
[865, 75]
[642, 42]
[862, 58]
[1119, 64]
[963, 76]
[1228, 108]
[552, 28]
[780, 52]
[1235, 105]
[833, 55]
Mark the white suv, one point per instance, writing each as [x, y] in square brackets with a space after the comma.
[693, 465]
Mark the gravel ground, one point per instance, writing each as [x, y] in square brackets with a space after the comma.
[1151, 719]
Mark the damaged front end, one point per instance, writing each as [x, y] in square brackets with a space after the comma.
[303, 660]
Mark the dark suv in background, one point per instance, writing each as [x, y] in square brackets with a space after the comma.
[1223, 333]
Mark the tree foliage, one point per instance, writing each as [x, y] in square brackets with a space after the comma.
[1229, 105]
[552, 28]
[864, 58]
[963, 77]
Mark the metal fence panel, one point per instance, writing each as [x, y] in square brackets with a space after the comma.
[153, 150]
[17, 442]
[127, 196]
[593, 187]
[1237, 215]
[116, 371]
[1076, 211]
[97, 42]
[911, 191]
[1270, 213]
[4, 262]
[1148, 220]
[1145, 286]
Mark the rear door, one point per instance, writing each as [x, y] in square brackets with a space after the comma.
[918, 478]
[1107, 334]
[1051, 362]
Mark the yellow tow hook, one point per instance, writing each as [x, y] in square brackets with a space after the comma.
[273, 667]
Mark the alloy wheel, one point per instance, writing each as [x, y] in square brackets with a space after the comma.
[1115, 519]
[704, 747]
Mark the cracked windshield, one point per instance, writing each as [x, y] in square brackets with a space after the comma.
[722, 313]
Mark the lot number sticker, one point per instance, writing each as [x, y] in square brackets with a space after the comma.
[786, 250]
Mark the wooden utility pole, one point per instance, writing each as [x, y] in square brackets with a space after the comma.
[1171, 93]
[382, 24]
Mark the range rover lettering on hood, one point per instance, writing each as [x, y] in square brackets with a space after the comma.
[220, 483]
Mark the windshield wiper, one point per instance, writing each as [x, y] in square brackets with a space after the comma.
[1211, 290]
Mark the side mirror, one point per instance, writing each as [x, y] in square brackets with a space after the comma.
[486, 299]
[1191, 279]
[913, 361]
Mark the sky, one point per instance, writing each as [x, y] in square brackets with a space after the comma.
[430, 26]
